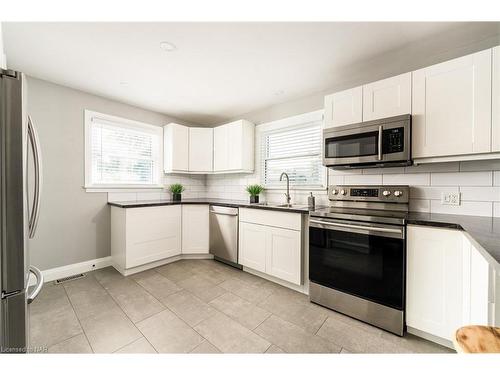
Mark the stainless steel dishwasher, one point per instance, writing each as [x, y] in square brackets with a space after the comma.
[224, 234]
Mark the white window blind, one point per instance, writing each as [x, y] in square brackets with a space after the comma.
[123, 153]
[295, 150]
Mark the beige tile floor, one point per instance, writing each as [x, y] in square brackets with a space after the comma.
[198, 306]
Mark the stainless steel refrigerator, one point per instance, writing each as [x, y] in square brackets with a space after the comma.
[19, 211]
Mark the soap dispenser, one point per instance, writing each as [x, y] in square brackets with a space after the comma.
[311, 201]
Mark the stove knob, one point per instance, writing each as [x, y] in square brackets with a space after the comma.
[334, 191]
[386, 193]
[398, 193]
[343, 192]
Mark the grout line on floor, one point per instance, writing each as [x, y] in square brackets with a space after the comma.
[78, 318]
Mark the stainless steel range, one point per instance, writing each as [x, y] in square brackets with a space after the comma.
[357, 254]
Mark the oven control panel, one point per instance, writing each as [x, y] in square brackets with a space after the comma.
[389, 193]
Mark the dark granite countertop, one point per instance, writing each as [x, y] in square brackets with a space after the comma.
[303, 209]
[484, 230]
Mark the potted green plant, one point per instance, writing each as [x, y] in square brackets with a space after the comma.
[254, 191]
[176, 190]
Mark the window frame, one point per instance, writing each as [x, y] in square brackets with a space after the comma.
[123, 122]
[290, 123]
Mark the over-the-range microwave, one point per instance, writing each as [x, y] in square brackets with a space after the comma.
[379, 143]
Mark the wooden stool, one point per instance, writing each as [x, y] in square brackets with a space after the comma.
[477, 339]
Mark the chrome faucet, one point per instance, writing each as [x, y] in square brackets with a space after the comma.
[287, 194]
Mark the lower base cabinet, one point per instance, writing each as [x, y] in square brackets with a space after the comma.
[449, 283]
[195, 229]
[270, 249]
[144, 235]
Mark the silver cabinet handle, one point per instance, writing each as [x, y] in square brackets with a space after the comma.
[39, 283]
[37, 157]
[380, 132]
[378, 229]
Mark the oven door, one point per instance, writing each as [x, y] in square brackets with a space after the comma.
[362, 259]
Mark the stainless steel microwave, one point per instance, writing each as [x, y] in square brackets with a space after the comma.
[379, 143]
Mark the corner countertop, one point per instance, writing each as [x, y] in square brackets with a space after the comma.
[484, 231]
[302, 209]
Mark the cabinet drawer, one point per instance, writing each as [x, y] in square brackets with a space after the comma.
[278, 219]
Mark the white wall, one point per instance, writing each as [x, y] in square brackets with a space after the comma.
[3, 58]
[74, 225]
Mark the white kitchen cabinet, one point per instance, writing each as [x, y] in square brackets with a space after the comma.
[195, 229]
[253, 246]
[271, 242]
[283, 254]
[435, 281]
[344, 107]
[175, 148]
[234, 147]
[388, 97]
[495, 133]
[451, 107]
[143, 235]
[200, 150]
[449, 282]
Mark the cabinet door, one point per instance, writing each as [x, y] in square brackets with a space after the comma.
[452, 107]
[195, 229]
[344, 107]
[435, 280]
[220, 148]
[284, 255]
[176, 148]
[495, 133]
[388, 97]
[153, 233]
[252, 246]
[234, 146]
[479, 289]
[200, 149]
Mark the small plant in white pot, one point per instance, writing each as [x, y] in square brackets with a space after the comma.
[176, 190]
[254, 191]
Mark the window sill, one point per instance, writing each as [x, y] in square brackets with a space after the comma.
[122, 189]
[292, 188]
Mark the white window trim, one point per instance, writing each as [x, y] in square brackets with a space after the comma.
[103, 188]
[289, 122]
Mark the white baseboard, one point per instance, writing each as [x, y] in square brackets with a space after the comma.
[430, 337]
[147, 266]
[72, 269]
[303, 288]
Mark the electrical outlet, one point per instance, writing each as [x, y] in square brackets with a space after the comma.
[450, 199]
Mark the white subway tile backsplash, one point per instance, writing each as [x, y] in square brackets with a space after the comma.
[397, 170]
[496, 209]
[147, 196]
[367, 179]
[483, 193]
[462, 179]
[465, 208]
[407, 179]
[433, 167]
[430, 192]
[121, 197]
[496, 178]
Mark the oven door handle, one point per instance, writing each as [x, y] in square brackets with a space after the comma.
[360, 227]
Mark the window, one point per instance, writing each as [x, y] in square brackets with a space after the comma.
[121, 153]
[293, 146]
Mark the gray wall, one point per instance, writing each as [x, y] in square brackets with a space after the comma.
[414, 56]
[74, 226]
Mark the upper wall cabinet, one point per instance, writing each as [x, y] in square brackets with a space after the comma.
[234, 147]
[452, 107]
[344, 107]
[495, 133]
[200, 150]
[176, 148]
[388, 97]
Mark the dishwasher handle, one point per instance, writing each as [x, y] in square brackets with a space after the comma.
[222, 213]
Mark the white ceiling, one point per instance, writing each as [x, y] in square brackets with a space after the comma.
[219, 70]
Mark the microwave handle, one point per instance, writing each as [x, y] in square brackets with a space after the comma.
[380, 131]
